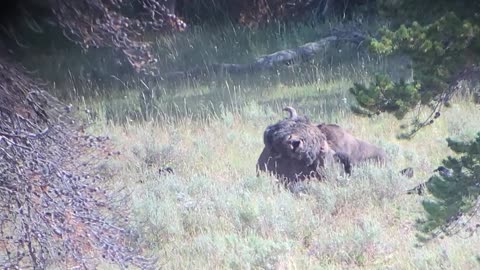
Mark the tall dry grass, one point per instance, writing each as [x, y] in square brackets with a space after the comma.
[214, 213]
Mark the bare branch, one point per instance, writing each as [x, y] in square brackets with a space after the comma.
[52, 207]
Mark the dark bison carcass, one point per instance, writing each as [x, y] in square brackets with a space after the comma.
[356, 149]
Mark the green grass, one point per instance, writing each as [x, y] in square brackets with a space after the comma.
[214, 213]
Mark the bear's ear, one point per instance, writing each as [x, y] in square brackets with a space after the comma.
[267, 135]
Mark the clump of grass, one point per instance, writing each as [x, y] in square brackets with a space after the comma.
[356, 244]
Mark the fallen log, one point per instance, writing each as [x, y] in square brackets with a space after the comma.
[271, 61]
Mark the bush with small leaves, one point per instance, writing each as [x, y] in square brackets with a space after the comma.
[445, 50]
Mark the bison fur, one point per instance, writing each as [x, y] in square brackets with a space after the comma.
[356, 149]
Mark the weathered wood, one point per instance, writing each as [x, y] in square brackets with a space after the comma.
[270, 61]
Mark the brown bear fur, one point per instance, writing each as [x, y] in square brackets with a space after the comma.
[294, 149]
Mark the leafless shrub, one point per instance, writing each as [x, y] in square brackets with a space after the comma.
[52, 208]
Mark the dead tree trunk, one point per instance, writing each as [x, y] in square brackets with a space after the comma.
[271, 61]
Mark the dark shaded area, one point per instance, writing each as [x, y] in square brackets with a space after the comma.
[114, 24]
[344, 159]
[407, 172]
[166, 170]
[254, 12]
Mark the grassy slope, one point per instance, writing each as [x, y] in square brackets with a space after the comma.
[215, 213]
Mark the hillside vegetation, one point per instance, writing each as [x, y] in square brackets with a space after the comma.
[215, 213]
[130, 131]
